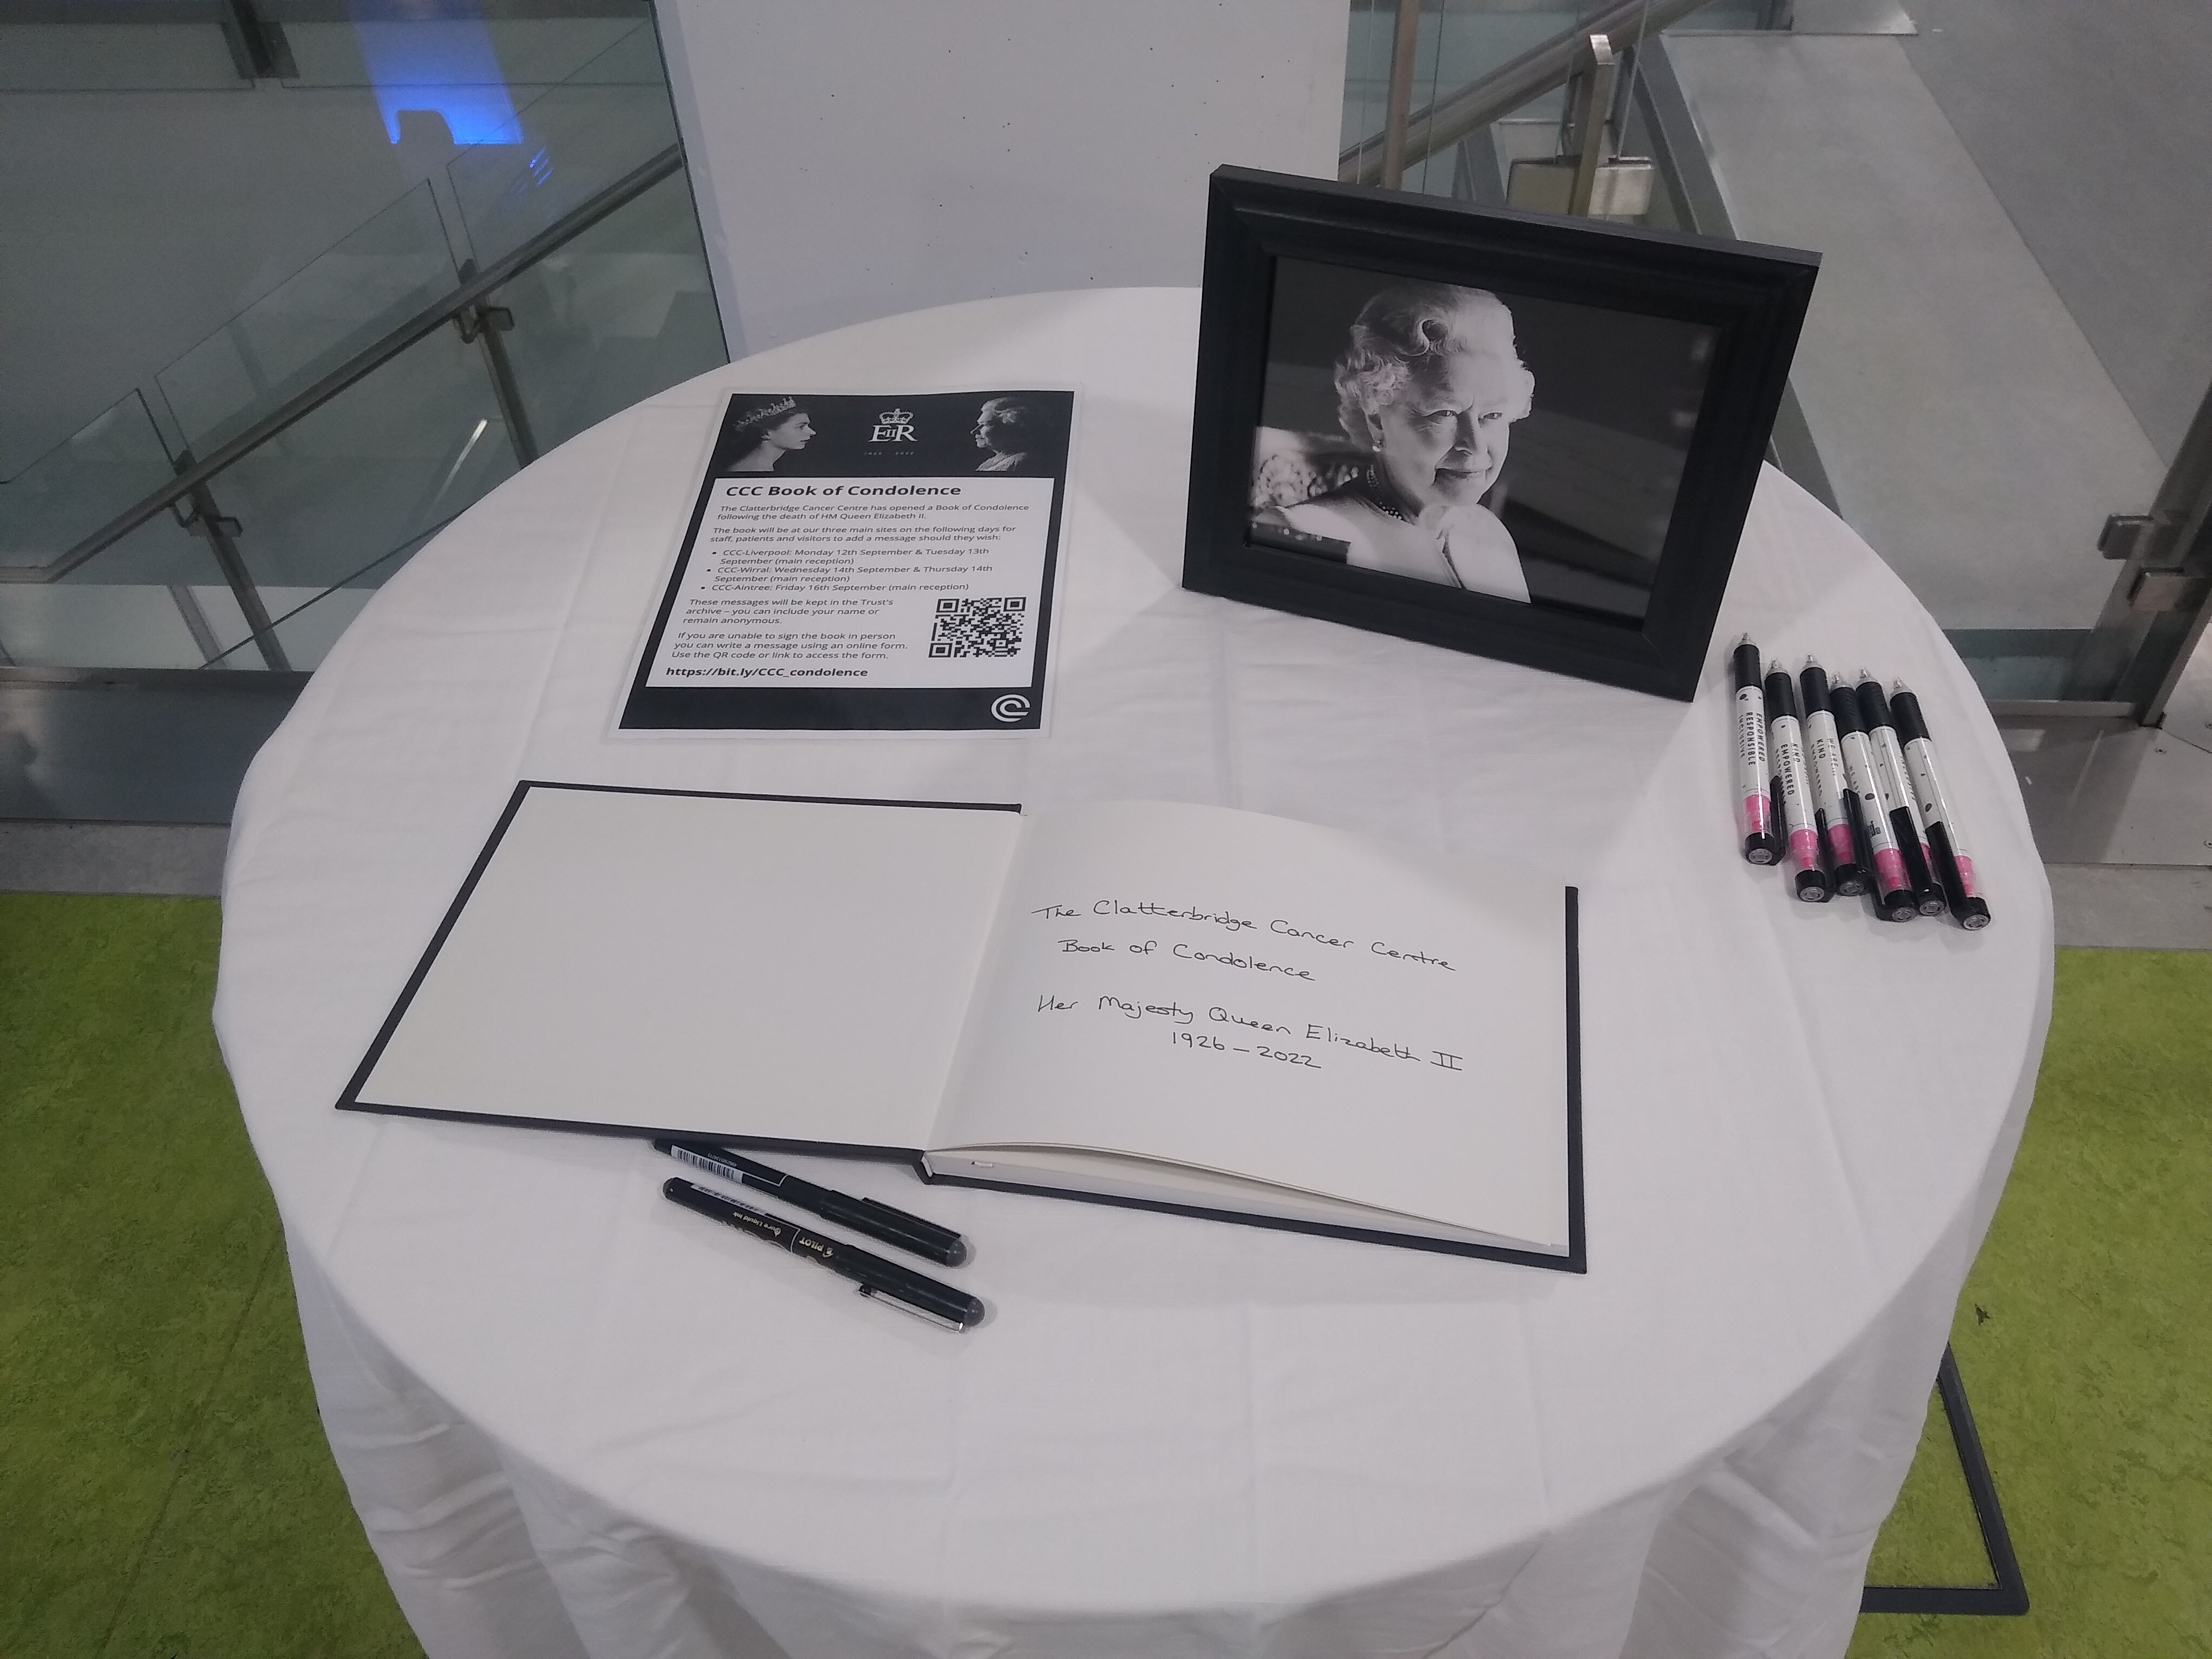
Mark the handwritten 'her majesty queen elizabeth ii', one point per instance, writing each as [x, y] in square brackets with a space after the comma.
[1429, 385]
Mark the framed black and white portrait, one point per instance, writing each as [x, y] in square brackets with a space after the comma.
[1530, 437]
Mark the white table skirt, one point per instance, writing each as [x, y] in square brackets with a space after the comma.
[576, 1421]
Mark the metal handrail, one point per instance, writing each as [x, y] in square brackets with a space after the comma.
[1505, 89]
[360, 366]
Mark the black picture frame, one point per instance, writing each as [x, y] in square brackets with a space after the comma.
[1752, 298]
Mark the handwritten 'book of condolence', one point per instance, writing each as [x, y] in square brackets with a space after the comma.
[1179, 1007]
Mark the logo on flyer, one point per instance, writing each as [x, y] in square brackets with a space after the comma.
[893, 426]
[1012, 707]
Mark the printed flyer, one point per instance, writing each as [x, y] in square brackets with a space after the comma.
[865, 563]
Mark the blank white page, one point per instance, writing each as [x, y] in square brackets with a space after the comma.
[1280, 1001]
[711, 964]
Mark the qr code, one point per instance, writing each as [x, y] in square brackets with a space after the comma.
[978, 628]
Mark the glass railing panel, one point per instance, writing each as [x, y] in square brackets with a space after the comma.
[115, 461]
[565, 147]
[306, 621]
[2007, 339]
[374, 279]
[546, 111]
[1460, 42]
[143, 603]
[620, 312]
[428, 62]
[323, 504]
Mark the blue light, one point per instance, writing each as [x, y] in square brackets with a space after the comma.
[446, 65]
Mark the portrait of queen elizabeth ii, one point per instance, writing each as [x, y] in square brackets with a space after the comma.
[1513, 435]
[1428, 386]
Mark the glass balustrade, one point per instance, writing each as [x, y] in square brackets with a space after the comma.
[145, 602]
[615, 315]
[1459, 42]
[2006, 347]
[305, 622]
[565, 146]
[349, 297]
[262, 564]
[450, 58]
[77, 487]
[326, 502]
[320, 514]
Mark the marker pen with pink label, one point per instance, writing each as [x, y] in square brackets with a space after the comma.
[1897, 784]
[1832, 812]
[1954, 863]
[1793, 789]
[1755, 807]
[1891, 885]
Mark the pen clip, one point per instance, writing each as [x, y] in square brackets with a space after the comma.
[891, 1301]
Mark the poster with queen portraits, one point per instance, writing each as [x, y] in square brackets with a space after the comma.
[864, 562]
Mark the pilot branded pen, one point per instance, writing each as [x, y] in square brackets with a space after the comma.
[1793, 789]
[1883, 860]
[1755, 807]
[862, 1215]
[886, 1281]
[1904, 811]
[1824, 756]
[1954, 863]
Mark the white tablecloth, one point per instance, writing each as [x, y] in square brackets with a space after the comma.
[576, 1421]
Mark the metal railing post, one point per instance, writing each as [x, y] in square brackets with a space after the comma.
[207, 520]
[1405, 42]
[1596, 105]
[1535, 72]
[484, 324]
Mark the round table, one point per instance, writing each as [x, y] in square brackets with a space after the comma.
[570, 1427]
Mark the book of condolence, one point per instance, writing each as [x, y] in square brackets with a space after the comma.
[1186, 1007]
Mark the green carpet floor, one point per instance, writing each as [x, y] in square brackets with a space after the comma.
[2084, 1337]
[165, 1489]
[165, 1493]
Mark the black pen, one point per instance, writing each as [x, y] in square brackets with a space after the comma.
[886, 1281]
[862, 1215]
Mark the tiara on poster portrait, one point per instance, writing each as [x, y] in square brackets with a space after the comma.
[764, 414]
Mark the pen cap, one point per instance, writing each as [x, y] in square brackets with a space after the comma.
[1812, 887]
[1749, 671]
[1781, 696]
[1813, 680]
[1905, 709]
[909, 1232]
[1874, 707]
[1846, 708]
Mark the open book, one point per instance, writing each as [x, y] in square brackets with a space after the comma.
[1179, 1007]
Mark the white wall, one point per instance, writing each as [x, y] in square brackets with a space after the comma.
[854, 159]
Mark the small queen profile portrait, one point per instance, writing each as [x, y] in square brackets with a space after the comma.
[776, 428]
